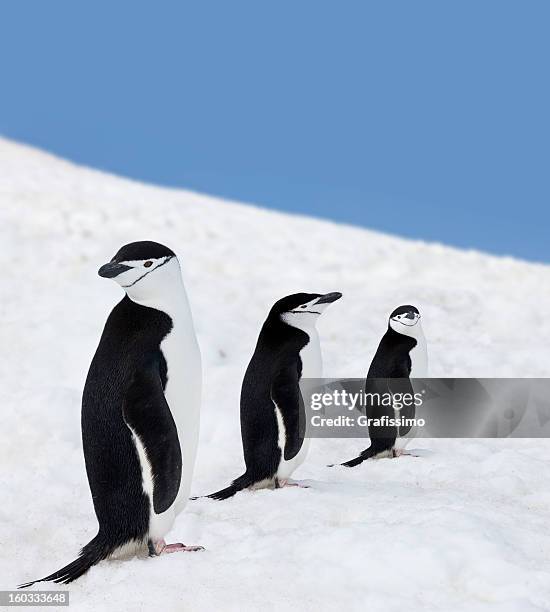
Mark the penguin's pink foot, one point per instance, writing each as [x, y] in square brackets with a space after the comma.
[161, 548]
[401, 452]
[179, 547]
[293, 483]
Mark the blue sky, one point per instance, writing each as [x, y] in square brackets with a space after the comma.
[425, 119]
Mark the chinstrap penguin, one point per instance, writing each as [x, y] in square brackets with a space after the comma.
[140, 410]
[401, 355]
[272, 410]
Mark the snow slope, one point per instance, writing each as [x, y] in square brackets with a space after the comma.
[463, 528]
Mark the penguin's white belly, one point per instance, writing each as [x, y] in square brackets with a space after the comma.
[312, 367]
[183, 395]
[312, 361]
[419, 360]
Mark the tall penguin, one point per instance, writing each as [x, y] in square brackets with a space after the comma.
[140, 410]
[272, 411]
[401, 355]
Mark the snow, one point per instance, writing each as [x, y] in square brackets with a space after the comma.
[462, 528]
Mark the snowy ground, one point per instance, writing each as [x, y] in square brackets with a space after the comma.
[464, 528]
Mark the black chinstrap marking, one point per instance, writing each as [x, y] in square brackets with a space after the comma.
[149, 272]
[304, 312]
[406, 324]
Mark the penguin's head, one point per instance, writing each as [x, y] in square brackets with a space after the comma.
[142, 268]
[405, 320]
[302, 310]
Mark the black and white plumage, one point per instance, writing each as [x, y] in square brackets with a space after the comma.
[140, 410]
[272, 410]
[401, 355]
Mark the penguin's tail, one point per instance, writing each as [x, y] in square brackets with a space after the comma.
[95, 551]
[354, 462]
[376, 447]
[240, 483]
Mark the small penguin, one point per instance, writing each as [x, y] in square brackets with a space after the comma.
[272, 410]
[140, 410]
[401, 355]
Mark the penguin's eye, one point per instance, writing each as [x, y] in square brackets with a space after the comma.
[303, 306]
[147, 264]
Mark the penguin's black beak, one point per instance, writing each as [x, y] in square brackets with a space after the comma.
[328, 298]
[110, 270]
[410, 315]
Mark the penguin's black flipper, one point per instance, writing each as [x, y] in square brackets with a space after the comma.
[400, 388]
[148, 415]
[285, 392]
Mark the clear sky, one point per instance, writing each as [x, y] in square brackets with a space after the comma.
[428, 119]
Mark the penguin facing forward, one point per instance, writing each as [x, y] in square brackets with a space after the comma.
[140, 410]
[272, 423]
[401, 355]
